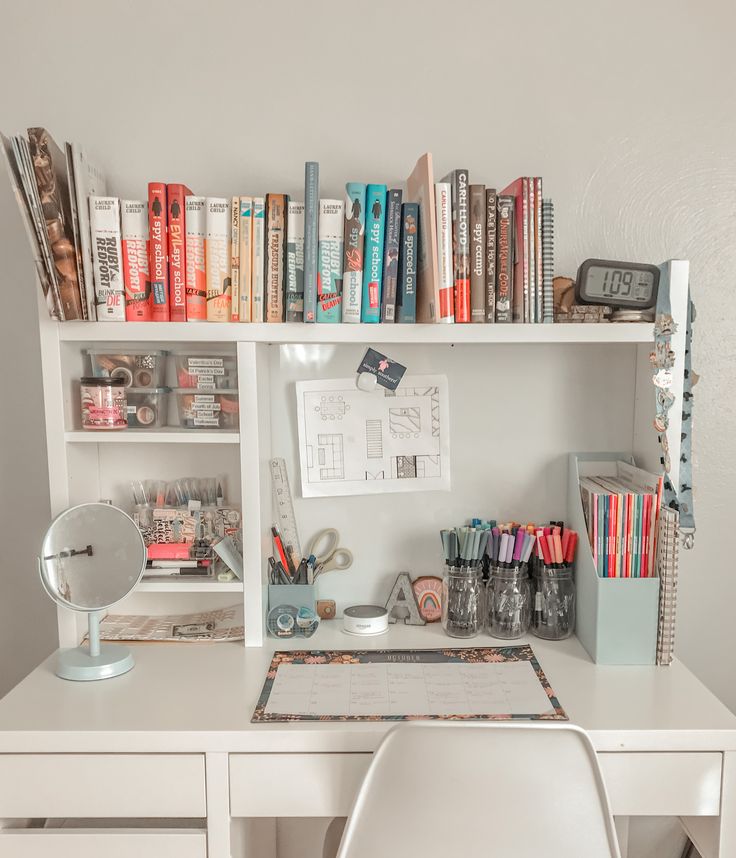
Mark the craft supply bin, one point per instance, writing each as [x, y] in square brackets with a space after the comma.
[616, 617]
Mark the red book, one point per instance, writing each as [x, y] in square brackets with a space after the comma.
[157, 249]
[177, 252]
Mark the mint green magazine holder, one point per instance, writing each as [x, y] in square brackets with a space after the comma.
[616, 617]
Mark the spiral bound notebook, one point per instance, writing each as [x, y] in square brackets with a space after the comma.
[667, 563]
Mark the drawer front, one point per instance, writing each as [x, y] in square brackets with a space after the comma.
[110, 843]
[659, 784]
[97, 785]
[295, 784]
[656, 784]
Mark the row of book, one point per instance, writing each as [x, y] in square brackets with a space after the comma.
[622, 515]
[444, 252]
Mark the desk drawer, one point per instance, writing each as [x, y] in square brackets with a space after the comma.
[656, 784]
[659, 784]
[110, 843]
[99, 785]
[295, 784]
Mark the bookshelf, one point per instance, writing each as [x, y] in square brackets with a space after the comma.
[521, 398]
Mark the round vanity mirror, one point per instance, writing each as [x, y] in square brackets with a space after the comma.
[92, 556]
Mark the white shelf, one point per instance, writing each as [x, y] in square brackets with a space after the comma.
[171, 435]
[229, 332]
[179, 586]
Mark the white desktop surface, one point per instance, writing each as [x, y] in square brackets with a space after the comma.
[198, 697]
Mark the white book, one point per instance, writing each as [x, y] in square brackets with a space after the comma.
[258, 275]
[443, 209]
[196, 280]
[246, 258]
[88, 181]
[104, 216]
[217, 259]
[295, 262]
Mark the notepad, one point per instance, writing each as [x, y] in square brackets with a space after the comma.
[497, 683]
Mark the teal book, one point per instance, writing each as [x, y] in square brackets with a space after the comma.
[329, 272]
[406, 297]
[375, 222]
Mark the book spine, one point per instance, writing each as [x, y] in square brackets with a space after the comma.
[295, 263]
[217, 259]
[520, 301]
[157, 247]
[491, 211]
[461, 245]
[311, 239]
[409, 243]
[76, 234]
[275, 256]
[548, 259]
[532, 308]
[505, 258]
[538, 250]
[106, 256]
[259, 265]
[443, 212]
[391, 256]
[235, 258]
[375, 221]
[194, 222]
[245, 209]
[354, 238]
[477, 233]
[329, 274]
[175, 198]
[134, 231]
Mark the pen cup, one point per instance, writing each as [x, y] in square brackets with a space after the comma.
[299, 595]
[508, 602]
[462, 601]
[553, 616]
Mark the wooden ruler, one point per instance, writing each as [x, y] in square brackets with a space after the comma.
[285, 518]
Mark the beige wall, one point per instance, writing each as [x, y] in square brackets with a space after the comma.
[626, 109]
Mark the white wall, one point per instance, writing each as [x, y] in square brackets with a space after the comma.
[624, 107]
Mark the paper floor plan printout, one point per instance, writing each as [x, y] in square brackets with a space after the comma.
[353, 442]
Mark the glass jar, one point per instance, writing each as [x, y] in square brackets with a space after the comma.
[553, 617]
[462, 601]
[104, 405]
[508, 602]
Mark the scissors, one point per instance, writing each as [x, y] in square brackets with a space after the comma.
[327, 552]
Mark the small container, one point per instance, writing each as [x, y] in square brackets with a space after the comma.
[199, 409]
[136, 368]
[147, 407]
[207, 372]
[462, 601]
[553, 615]
[508, 602]
[103, 404]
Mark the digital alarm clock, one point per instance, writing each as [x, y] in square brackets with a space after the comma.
[628, 285]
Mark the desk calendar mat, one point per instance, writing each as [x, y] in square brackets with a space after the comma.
[480, 683]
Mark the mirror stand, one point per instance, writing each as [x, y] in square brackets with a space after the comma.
[94, 661]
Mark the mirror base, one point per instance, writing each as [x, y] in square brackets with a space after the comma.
[77, 664]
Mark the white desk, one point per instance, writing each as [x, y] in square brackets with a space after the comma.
[173, 739]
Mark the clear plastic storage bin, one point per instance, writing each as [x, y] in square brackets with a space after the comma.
[148, 408]
[206, 372]
[134, 367]
[200, 409]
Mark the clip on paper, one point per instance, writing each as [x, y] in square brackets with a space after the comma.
[376, 369]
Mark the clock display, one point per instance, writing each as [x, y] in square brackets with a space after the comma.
[625, 285]
[618, 283]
